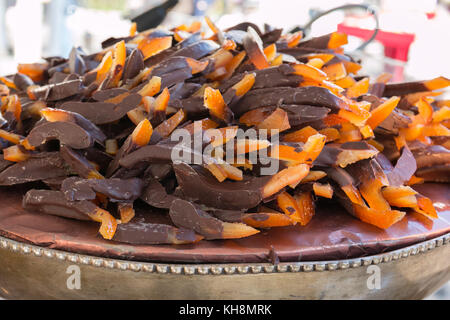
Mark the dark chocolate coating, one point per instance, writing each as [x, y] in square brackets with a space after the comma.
[76, 162]
[200, 186]
[404, 168]
[40, 166]
[75, 188]
[183, 90]
[102, 95]
[156, 195]
[133, 64]
[320, 42]
[279, 76]
[429, 156]
[243, 26]
[403, 88]
[22, 81]
[197, 50]
[392, 123]
[103, 112]
[436, 173]
[315, 96]
[185, 214]
[340, 176]
[68, 133]
[153, 233]
[58, 91]
[54, 203]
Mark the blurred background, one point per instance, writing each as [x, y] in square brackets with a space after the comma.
[413, 41]
[413, 35]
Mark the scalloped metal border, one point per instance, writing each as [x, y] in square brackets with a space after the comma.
[223, 269]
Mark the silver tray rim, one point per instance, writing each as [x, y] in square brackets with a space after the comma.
[224, 268]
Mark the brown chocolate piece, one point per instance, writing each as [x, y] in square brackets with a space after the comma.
[271, 36]
[403, 88]
[343, 154]
[193, 106]
[68, 133]
[392, 123]
[22, 81]
[77, 162]
[103, 112]
[300, 52]
[183, 90]
[197, 50]
[169, 65]
[404, 168]
[40, 166]
[185, 214]
[156, 153]
[200, 186]
[227, 215]
[105, 94]
[75, 189]
[315, 96]
[174, 77]
[279, 76]
[133, 64]
[429, 156]
[320, 42]
[153, 233]
[156, 195]
[243, 26]
[367, 170]
[301, 114]
[436, 173]
[54, 203]
[4, 163]
[159, 171]
[58, 91]
[340, 176]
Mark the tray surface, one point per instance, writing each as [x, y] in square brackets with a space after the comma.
[331, 235]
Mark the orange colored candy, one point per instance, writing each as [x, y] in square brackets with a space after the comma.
[152, 46]
[15, 153]
[323, 190]
[301, 135]
[359, 88]
[380, 113]
[108, 222]
[214, 102]
[335, 71]
[272, 220]
[278, 120]
[243, 86]
[166, 128]
[284, 178]
[34, 70]
[337, 39]
[309, 72]
[142, 133]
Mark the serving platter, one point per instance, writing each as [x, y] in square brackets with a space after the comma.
[328, 259]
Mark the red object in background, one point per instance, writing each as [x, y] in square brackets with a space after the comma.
[396, 45]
